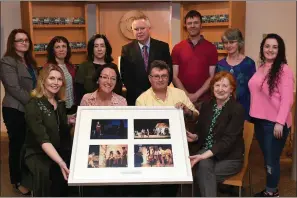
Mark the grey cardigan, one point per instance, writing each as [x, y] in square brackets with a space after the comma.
[17, 83]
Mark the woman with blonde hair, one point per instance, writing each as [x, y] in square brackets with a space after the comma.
[48, 140]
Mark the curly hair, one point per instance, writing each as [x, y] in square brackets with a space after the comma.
[274, 73]
[91, 43]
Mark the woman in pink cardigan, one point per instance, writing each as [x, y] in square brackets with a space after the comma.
[271, 90]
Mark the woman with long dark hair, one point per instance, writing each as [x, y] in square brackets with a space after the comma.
[271, 90]
[18, 74]
[99, 54]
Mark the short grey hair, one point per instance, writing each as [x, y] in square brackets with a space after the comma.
[141, 17]
[232, 34]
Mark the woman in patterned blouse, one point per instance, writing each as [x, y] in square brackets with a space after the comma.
[59, 53]
[108, 78]
[242, 67]
[218, 136]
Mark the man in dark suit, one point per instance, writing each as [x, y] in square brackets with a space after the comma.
[138, 55]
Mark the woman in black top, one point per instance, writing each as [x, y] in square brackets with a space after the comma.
[48, 141]
[219, 136]
[99, 54]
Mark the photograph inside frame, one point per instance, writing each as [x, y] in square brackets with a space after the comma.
[153, 155]
[151, 129]
[109, 129]
[108, 156]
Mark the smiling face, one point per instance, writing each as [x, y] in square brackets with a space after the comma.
[222, 89]
[270, 49]
[141, 30]
[60, 50]
[99, 48]
[53, 83]
[193, 26]
[107, 80]
[21, 43]
[231, 46]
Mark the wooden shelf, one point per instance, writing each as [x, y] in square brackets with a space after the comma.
[43, 33]
[222, 51]
[213, 31]
[60, 26]
[72, 51]
[221, 24]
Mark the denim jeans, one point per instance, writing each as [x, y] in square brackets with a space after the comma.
[272, 149]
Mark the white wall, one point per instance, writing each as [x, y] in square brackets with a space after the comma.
[10, 19]
[264, 17]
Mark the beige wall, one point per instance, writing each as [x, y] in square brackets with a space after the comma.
[10, 19]
[264, 17]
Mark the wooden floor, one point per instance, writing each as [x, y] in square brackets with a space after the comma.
[287, 187]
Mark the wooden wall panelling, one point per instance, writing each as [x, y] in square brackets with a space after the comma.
[214, 31]
[109, 15]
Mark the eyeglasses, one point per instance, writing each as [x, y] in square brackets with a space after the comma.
[22, 41]
[106, 78]
[157, 77]
[230, 42]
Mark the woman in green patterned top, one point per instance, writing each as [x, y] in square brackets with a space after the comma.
[48, 141]
[218, 135]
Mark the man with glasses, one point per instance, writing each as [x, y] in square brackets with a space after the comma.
[137, 56]
[160, 94]
[194, 61]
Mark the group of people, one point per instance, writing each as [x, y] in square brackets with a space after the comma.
[119, 160]
[218, 95]
[153, 156]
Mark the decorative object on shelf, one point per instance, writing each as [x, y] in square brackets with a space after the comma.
[40, 47]
[219, 45]
[73, 45]
[215, 18]
[126, 23]
[58, 21]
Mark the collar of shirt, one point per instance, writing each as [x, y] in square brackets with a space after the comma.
[156, 97]
[93, 99]
[148, 43]
[199, 41]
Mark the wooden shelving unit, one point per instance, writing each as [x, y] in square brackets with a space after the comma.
[44, 33]
[58, 26]
[213, 31]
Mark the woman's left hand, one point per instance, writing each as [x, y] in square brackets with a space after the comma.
[278, 131]
[195, 159]
[64, 170]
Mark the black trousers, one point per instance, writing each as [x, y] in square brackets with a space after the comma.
[16, 129]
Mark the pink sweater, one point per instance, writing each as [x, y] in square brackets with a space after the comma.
[276, 108]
